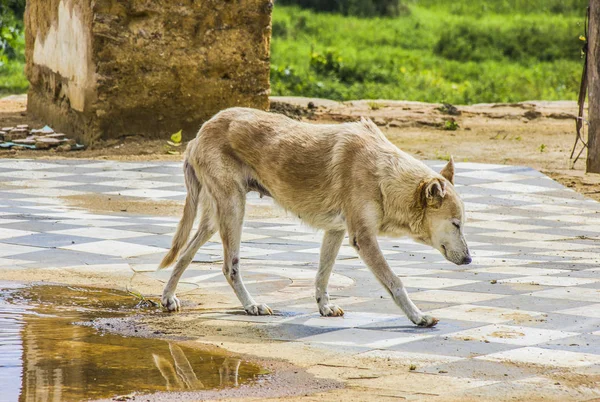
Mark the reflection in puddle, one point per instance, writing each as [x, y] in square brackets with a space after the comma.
[44, 357]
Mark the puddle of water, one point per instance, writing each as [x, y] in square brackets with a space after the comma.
[44, 356]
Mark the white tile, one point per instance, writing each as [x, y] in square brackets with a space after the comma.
[116, 165]
[9, 233]
[452, 296]
[350, 320]
[4, 221]
[216, 238]
[298, 274]
[362, 337]
[98, 223]
[42, 200]
[592, 310]
[476, 254]
[128, 174]
[38, 183]
[495, 176]
[512, 335]
[492, 315]
[569, 254]
[12, 249]
[552, 245]
[514, 187]
[403, 271]
[7, 263]
[477, 166]
[516, 270]
[570, 293]
[33, 175]
[587, 228]
[433, 283]
[484, 216]
[535, 199]
[503, 225]
[115, 248]
[132, 184]
[101, 233]
[245, 251]
[47, 192]
[24, 164]
[523, 235]
[544, 357]
[475, 206]
[551, 280]
[497, 261]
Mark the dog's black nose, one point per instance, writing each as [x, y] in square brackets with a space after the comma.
[467, 260]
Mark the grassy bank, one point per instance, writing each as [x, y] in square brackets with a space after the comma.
[12, 78]
[436, 51]
[456, 52]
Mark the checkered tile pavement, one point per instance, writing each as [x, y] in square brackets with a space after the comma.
[531, 296]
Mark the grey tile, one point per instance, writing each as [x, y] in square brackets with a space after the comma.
[446, 346]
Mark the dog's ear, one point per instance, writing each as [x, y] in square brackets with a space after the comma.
[448, 171]
[433, 193]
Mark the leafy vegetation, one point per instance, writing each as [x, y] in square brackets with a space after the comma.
[12, 47]
[360, 8]
[457, 52]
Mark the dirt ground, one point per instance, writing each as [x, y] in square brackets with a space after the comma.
[535, 134]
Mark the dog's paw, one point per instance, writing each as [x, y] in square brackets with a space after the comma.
[171, 303]
[427, 321]
[258, 309]
[331, 310]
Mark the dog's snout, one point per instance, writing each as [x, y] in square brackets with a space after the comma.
[466, 260]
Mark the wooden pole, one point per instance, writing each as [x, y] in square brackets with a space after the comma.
[593, 68]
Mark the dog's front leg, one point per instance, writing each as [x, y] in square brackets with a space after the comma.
[368, 249]
[332, 241]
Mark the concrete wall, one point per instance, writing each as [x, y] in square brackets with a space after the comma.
[107, 68]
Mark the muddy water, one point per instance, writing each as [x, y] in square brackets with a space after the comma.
[45, 356]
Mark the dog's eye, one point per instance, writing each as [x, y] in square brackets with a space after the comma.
[456, 225]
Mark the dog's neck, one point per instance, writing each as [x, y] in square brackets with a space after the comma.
[402, 209]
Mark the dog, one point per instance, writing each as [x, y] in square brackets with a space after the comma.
[335, 177]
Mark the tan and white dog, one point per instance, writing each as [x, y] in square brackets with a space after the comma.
[336, 177]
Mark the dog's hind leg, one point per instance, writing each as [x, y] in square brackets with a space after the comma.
[332, 241]
[369, 251]
[231, 216]
[205, 231]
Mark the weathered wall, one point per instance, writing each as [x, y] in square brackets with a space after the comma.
[107, 68]
[60, 65]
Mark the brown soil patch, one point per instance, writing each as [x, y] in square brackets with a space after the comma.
[117, 203]
[507, 334]
[519, 318]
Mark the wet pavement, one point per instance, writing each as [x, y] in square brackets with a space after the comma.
[530, 298]
[51, 351]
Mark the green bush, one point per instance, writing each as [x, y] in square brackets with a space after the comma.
[12, 47]
[359, 8]
[482, 8]
[12, 44]
[516, 41]
[429, 55]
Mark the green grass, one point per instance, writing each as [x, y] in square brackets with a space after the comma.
[459, 51]
[439, 52]
[12, 77]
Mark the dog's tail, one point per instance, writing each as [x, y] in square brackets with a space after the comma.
[189, 214]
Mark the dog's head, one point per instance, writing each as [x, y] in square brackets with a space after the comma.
[443, 217]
